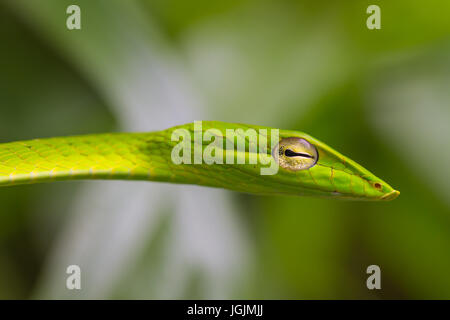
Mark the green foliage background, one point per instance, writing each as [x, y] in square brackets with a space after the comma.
[381, 97]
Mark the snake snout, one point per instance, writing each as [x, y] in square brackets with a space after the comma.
[391, 195]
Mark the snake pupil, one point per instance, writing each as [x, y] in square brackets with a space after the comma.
[290, 153]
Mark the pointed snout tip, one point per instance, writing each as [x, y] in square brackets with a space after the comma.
[391, 195]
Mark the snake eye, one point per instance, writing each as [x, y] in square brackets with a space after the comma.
[295, 154]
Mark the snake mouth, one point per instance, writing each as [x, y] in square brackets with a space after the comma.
[391, 195]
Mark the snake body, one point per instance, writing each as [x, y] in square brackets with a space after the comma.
[147, 156]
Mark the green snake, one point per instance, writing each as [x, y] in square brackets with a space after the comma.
[307, 167]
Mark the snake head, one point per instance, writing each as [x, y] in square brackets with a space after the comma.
[320, 170]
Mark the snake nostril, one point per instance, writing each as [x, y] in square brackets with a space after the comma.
[377, 185]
